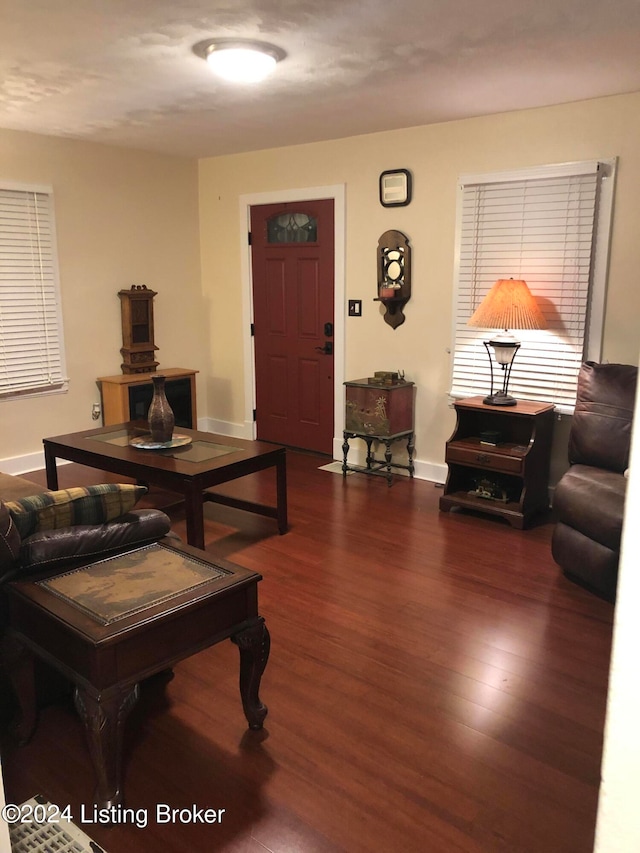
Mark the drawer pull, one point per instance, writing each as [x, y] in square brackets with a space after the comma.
[483, 457]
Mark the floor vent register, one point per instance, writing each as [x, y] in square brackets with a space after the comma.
[38, 835]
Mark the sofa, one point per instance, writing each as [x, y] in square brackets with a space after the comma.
[589, 499]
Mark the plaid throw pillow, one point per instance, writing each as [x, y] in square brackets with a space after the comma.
[68, 507]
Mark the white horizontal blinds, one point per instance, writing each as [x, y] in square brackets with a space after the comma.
[31, 346]
[540, 229]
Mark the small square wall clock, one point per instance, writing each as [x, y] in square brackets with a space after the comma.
[395, 188]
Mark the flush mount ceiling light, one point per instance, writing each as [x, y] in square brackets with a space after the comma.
[239, 60]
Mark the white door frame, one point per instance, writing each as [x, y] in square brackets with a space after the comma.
[337, 193]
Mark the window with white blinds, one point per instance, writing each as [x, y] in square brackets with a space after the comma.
[31, 339]
[549, 226]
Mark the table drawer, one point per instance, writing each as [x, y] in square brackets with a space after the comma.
[483, 458]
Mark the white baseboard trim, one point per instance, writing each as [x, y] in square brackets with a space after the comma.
[18, 465]
[243, 430]
[435, 472]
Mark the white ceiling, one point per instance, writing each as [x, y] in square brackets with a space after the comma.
[123, 72]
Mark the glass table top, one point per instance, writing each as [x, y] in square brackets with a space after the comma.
[197, 451]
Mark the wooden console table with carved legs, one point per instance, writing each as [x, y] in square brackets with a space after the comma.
[168, 602]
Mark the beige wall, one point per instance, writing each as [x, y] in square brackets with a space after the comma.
[436, 155]
[127, 217]
[123, 217]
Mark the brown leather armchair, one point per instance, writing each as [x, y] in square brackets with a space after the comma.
[589, 499]
[64, 547]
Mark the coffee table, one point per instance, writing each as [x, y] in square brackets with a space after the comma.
[110, 624]
[189, 470]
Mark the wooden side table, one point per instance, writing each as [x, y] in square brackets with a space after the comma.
[109, 625]
[382, 413]
[498, 459]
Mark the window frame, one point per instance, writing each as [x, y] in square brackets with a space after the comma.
[52, 319]
[595, 311]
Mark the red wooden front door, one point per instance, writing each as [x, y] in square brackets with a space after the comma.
[293, 291]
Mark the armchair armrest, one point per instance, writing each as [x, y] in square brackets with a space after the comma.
[66, 545]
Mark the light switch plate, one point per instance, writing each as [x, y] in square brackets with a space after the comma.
[355, 307]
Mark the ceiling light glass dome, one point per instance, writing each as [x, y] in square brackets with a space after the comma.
[240, 60]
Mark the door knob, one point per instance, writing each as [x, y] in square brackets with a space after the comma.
[327, 349]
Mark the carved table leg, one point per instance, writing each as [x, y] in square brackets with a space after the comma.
[410, 449]
[388, 456]
[370, 459]
[19, 663]
[345, 453]
[254, 644]
[103, 718]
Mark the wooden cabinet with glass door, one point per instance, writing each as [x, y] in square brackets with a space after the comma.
[138, 346]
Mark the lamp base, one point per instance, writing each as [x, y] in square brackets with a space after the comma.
[499, 399]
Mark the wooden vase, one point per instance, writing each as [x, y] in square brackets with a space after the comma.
[160, 416]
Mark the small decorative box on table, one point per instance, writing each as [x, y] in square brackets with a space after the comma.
[379, 408]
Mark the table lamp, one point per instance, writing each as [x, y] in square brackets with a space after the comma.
[508, 305]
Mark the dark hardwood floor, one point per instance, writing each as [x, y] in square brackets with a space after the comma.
[435, 684]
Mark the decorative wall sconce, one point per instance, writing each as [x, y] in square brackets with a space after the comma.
[394, 276]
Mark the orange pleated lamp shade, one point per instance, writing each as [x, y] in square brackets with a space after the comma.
[508, 305]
